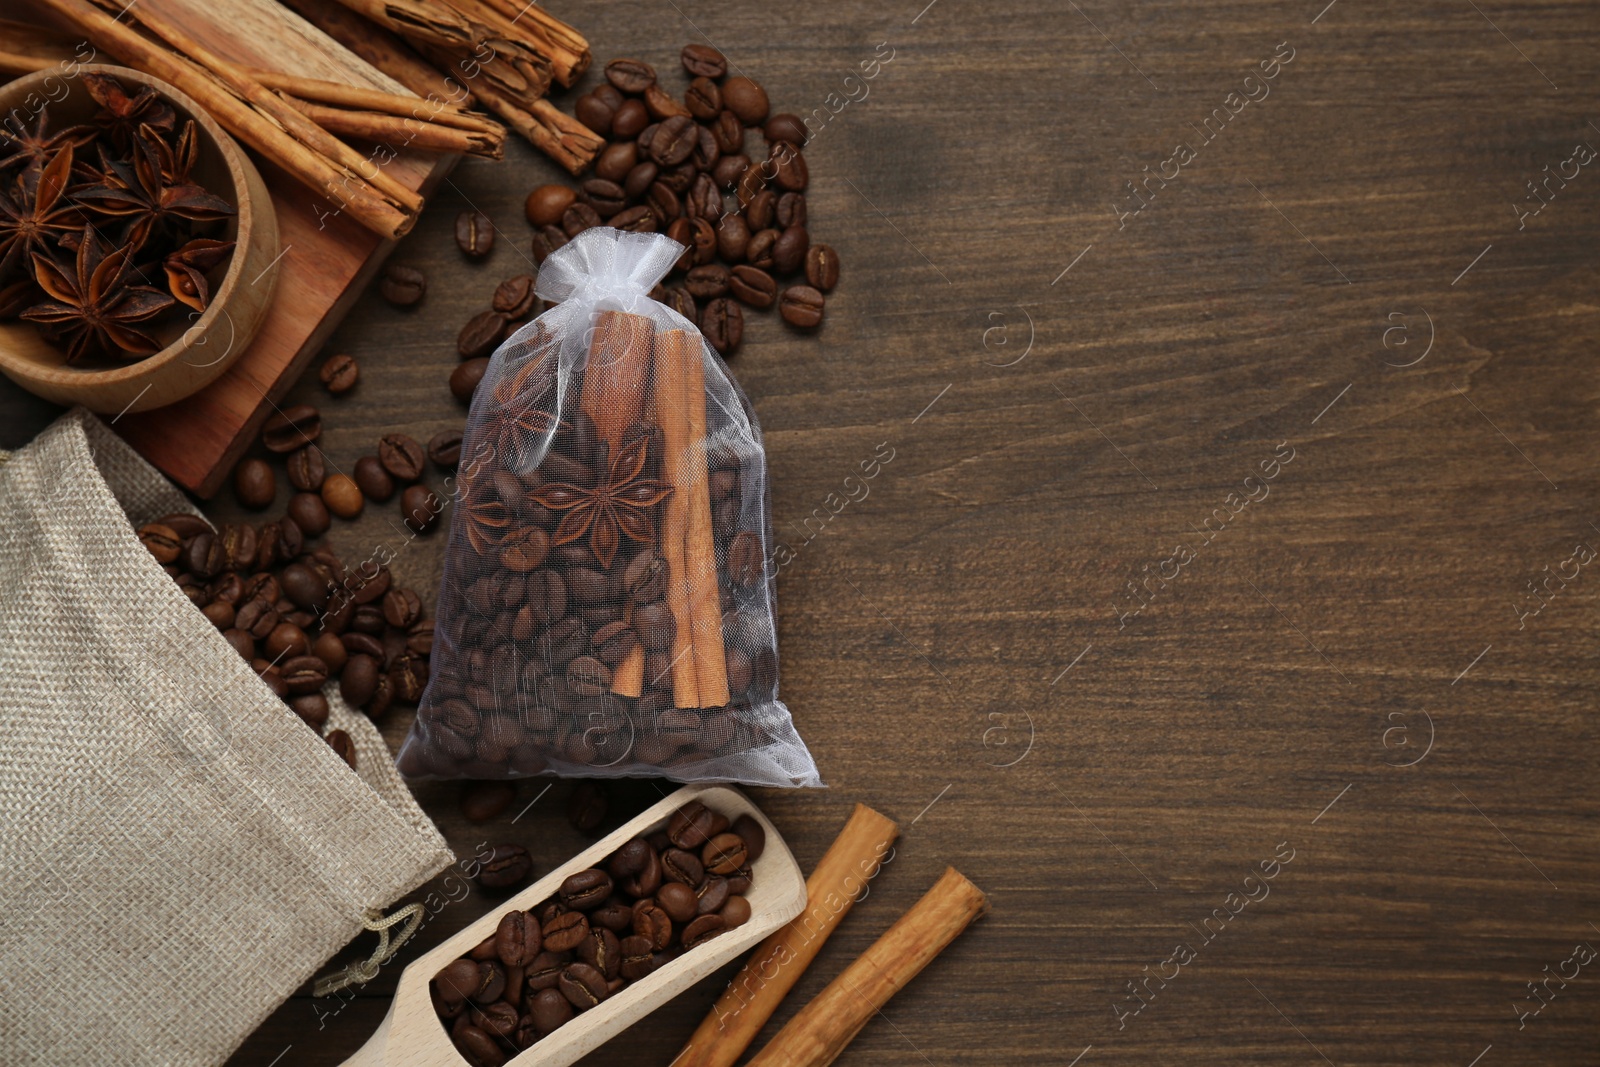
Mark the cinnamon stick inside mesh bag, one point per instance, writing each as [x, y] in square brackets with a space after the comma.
[673, 350]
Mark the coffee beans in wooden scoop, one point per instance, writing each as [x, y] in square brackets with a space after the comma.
[605, 928]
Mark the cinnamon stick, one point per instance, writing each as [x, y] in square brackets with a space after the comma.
[365, 204]
[617, 373]
[384, 50]
[398, 132]
[673, 350]
[568, 58]
[819, 1033]
[700, 548]
[561, 137]
[418, 21]
[839, 880]
[360, 98]
[628, 678]
[17, 64]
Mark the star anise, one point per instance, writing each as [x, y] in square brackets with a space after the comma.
[619, 501]
[30, 146]
[93, 309]
[121, 115]
[39, 218]
[187, 268]
[145, 199]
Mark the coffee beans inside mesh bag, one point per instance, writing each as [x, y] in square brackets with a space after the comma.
[652, 900]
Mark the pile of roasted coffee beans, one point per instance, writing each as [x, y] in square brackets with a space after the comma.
[686, 169]
[654, 899]
[299, 616]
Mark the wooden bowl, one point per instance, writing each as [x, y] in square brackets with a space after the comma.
[198, 348]
[413, 1035]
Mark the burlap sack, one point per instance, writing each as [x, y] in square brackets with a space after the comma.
[178, 852]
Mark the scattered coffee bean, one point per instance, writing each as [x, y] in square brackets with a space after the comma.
[481, 335]
[420, 508]
[444, 449]
[402, 286]
[291, 428]
[401, 456]
[342, 496]
[586, 809]
[474, 233]
[722, 323]
[630, 75]
[482, 801]
[822, 268]
[752, 286]
[309, 513]
[465, 378]
[630, 120]
[746, 99]
[801, 306]
[507, 866]
[254, 485]
[375, 482]
[339, 374]
[785, 127]
[703, 61]
[306, 469]
[546, 203]
[515, 297]
[342, 744]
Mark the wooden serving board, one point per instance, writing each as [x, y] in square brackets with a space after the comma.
[323, 268]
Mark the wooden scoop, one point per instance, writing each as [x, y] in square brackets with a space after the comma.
[412, 1034]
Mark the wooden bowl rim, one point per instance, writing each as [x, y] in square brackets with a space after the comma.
[233, 159]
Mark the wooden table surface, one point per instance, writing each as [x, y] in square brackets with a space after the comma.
[1210, 541]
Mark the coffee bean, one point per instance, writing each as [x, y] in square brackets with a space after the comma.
[491, 980]
[546, 203]
[746, 99]
[616, 161]
[304, 674]
[286, 640]
[583, 986]
[702, 930]
[291, 427]
[636, 219]
[630, 75]
[637, 958]
[402, 286]
[444, 450]
[681, 300]
[663, 201]
[254, 485]
[374, 482]
[219, 613]
[752, 285]
[593, 113]
[787, 167]
[586, 809]
[711, 894]
[579, 217]
[822, 268]
[724, 853]
[565, 930]
[401, 456]
[661, 105]
[309, 513]
[801, 306]
[785, 127]
[703, 61]
[306, 469]
[674, 141]
[343, 746]
[630, 120]
[515, 298]
[703, 238]
[517, 939]
[722, 324]
[655, 626]
[733, 236]
[640, 178]
[606, 197]
[758, 253]
[752, 183]
[359, 679]
[474, 233]
[729, 132]
[703, 99]
[736, 912]
[420, 508]
[704, 200]
[707, 282]
[790, 210]
[548, 1010]
[677, 899]
[481, 335]
[465, 378]
[651, 922]
[339, 374]
[585, 889]
[789, 251]
[546, 241]
[498, 1020]
[507, 866]
[729, 169]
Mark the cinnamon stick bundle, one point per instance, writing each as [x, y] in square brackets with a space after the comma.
[563, 46]
[822, 1029]
[838, 881]
[262, 127]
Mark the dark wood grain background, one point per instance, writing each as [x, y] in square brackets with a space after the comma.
[1344, 669]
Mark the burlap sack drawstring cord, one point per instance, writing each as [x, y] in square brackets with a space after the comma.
[365, 971]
